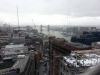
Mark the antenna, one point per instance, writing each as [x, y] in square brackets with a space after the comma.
[18, 18]
[69, 13]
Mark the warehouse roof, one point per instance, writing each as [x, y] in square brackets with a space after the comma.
[14, 46]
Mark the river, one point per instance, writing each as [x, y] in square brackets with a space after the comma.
[57, 34]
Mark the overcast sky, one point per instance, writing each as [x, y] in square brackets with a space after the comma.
[52, 12]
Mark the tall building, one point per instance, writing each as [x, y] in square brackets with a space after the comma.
[75, 30]
[58, 48]
[81, 29]
[16, 38]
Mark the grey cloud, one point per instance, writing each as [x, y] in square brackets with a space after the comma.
[78, 8]
[86, 8]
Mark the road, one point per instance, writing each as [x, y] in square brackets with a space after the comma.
[41, 70]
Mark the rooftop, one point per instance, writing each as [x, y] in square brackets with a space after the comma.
[14, 46]
[15, 49]
[82, 61]
[79, 45]
[13, 52]
[20, 63]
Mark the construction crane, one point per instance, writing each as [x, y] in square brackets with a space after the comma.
[34, 24]
[18, 18]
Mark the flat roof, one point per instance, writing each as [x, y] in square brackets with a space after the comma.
[14, 46]
[21, 63]
[15, 49]
[13, 52]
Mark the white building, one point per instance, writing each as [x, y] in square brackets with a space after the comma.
[77, 64]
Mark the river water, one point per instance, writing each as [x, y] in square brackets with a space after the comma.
[57, 34]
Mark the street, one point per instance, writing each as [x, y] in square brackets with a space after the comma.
[41, 70]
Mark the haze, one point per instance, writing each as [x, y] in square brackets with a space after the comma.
[52, 12]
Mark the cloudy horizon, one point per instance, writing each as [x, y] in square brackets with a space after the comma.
[52, 12]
